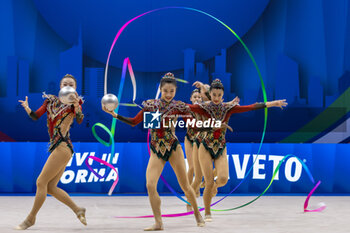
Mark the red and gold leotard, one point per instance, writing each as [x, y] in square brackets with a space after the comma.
[214, 139]
[200, 132]
[163, 140]
[192, 132]
[59, 119]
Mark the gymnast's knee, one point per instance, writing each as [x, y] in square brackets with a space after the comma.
[186, 188]
[151, 187]
[209, 183]
[40, 183]
[221, 180]
[51, 189]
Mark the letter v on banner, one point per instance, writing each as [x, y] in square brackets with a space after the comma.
[240, 170]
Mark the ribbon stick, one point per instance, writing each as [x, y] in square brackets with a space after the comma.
[129, 105]
[181, 80]
[158, 92]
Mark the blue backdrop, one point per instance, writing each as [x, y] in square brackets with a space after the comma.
[22, 163]
[301, 47]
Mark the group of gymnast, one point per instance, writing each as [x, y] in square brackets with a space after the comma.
[205, 147]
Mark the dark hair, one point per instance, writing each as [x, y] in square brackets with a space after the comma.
[69, 76]
[216, 84]
[168, 78]
[194, 91]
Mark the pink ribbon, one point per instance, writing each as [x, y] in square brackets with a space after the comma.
[306, 203]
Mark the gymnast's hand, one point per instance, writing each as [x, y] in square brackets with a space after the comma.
[224, 125]
[198, 84]
[277, 103]
[75, 102]
[203, 87]
[25, 105]
[281, 103]
[109, 112]
[235, 100]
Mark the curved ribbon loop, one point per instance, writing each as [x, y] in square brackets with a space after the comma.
[256, 67]
[158, 92]
[111, 132]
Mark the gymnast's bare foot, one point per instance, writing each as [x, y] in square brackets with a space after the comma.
[81, 215]
[25, 224]
[155, 227]
[200, 221]
[208, 218]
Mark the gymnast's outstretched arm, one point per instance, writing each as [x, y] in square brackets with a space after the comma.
[130, 121]
[34, 115]
[256, 106]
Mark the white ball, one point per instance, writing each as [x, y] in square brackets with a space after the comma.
[110, 102]
[67, 95]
